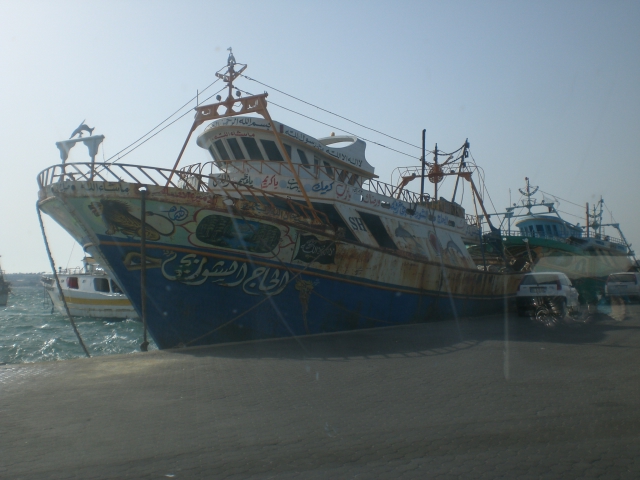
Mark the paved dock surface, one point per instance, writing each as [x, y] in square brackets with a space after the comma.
[448, 399]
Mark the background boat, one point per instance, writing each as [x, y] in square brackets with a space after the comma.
[89, 292]
[534, 237]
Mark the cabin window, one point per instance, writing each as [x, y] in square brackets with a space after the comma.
[101, 285]
[72, 282]
[555, 230]
[328, 168]
[235, 148]
[303, 158]
[252, 148]
[375, 226]
[335, 219]
[273, 153]
[115, 288]
[343, 175]
[547, 229]
[353, 179]
[316, 163]
[288, 149]
[540, 230]
[221, 150]
[213, 153]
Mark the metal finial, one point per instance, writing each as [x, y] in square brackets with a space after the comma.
[231, 61]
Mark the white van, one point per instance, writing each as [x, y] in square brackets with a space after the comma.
[624, 284]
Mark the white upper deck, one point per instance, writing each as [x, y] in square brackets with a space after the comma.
[250, 138]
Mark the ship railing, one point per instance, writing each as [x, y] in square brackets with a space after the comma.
[186, 179]
[315, 171]
[391, 191]
[517, 233]
[605, 238]
[274, 167]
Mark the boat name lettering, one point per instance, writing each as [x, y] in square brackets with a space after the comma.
[190, 270]
[357, 224]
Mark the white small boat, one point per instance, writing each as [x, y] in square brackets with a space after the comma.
[89, 292]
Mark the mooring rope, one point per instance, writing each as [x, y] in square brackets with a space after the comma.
[55, 274]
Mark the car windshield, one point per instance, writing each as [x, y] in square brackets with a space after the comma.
[540, 279]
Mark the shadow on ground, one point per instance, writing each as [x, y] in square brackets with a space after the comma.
[426, 339]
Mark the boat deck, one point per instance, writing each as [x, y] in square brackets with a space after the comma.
[404, 402]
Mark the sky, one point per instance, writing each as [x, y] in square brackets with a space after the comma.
[547, 90]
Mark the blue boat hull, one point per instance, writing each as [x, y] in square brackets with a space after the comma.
[269, 300]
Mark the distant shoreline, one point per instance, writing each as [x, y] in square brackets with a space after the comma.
[23, 279]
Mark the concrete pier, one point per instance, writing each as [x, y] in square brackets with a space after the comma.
[474, 398]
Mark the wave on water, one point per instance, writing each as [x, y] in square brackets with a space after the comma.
[31, 332]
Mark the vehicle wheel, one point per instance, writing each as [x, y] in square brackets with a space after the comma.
[558, 307]
[546, 317]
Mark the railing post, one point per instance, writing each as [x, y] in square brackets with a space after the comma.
[143, 266]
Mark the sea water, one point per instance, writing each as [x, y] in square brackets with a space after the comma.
[31, 332]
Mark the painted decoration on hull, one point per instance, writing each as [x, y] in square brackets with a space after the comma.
[209, 228]
[237, 234]
[118, 218]
[310, 249]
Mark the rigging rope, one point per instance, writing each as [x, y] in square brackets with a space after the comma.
[337, 128]
[332, 113]
[564, 200]
[55, 274]
[164, 128]
[165, 120]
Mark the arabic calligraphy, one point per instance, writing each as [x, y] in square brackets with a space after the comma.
[237, 133]
[343, 191]
[269, 181]
[244, 121]
[292, 185]
[313, 250]
[190, 270]
[245, 180]
[371, 199]
[177, 213]
[315, 144]
[322, 188]
[103, 187]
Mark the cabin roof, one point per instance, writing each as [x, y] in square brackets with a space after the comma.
[351, 156]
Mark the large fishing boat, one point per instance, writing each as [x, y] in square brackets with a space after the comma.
[88, 292]
[533, 236]
[281, 234]
[5, 289]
